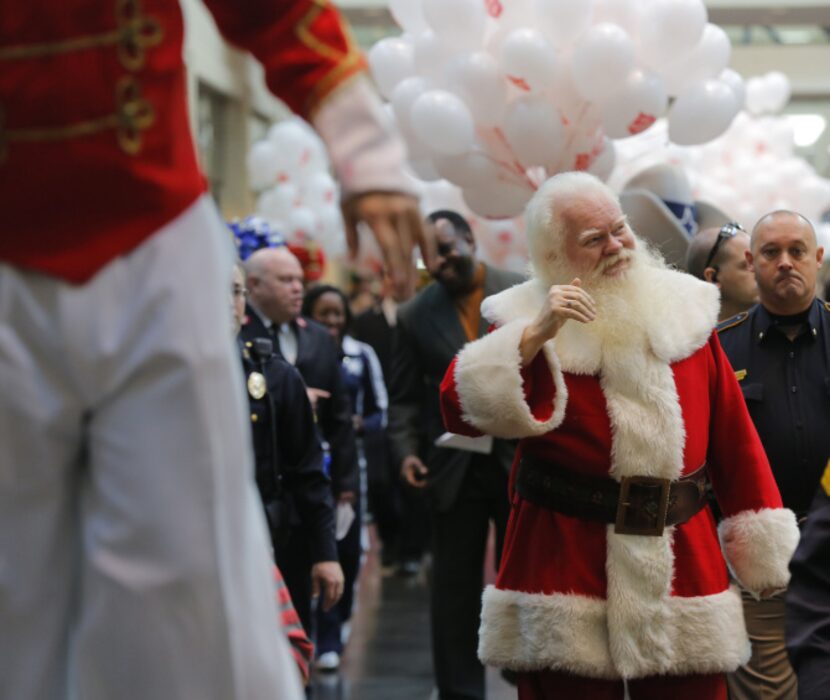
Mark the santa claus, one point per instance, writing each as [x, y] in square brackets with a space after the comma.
[605, 367]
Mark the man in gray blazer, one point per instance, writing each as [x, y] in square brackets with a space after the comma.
[465, 489]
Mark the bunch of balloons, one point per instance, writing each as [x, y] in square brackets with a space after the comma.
[767, 94]
[750, 170]
[297, 194]
[753, 169]
[496, 95]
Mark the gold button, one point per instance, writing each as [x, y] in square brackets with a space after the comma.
[254, 418]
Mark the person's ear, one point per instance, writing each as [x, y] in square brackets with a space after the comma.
[749, 260]
[710, 275]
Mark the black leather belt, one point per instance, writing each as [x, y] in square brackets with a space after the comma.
[636, 505]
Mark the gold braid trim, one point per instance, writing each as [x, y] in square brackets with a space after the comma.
[346, 62]
[133, 116]
[135, 34]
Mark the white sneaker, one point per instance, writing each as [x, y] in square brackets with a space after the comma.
[328, 661]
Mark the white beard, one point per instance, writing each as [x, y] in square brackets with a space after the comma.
[623, 302]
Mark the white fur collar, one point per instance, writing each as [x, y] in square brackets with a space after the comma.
[685, 312]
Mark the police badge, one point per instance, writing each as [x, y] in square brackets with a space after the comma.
[256, 385]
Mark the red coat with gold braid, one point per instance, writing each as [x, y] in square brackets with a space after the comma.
[95, 146]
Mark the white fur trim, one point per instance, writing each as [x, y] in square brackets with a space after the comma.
[568, 632]
[490, 388]
[683, 316]
[758, 546]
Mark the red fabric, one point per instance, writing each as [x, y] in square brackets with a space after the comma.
[717, 427]
[550, 685]
[302, 648]
[72, 205]
[299, 68]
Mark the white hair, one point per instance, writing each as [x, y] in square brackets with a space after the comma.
[543, 214]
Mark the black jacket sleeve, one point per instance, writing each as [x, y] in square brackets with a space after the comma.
[405, 394]
[300, 459]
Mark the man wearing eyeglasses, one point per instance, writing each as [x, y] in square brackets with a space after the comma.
[606, 369]
[780, 351]
[718, 255]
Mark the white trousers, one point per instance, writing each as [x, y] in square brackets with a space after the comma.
[134, 562]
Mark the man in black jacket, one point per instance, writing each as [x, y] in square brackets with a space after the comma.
[780, 351]
[465, 490]
[275, 288]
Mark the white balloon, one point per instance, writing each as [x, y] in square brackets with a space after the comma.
[478, 80]
[814, 196]
[408, 14]
[278, 202]
[625, 13]
[585, 146]
[528, 59]
[497, 200]
[262, 168]
[424, 169]
[330, 232]
[469, 169]
[301, 224]
[509, 13]
[602, 60]
[734, 80]
[776, 91]
[604, 163]
[404, 96]
[391, 60]
[442, 121]
[289, 130]
[563, 20]
[670, 28]
[292, 143]
[707, 59]
[320, 190]
[701, 113]
[534, 130]
[755, 96]
[639, 102]
[432, 55]
[458, 21]
[566, 97]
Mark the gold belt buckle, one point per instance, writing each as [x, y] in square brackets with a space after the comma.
[655, 516]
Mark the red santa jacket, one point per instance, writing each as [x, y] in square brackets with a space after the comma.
[95, 146]
[572, 594]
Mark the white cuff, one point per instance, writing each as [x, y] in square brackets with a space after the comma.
[491, 390]
[366, 150]
[758, 546]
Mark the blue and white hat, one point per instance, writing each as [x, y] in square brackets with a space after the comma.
[253, 233]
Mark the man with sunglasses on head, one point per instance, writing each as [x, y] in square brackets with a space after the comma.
[718, 255]
[780, 351]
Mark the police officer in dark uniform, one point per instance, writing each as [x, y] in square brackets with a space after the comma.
[780, 351]
[295, 490]
[275, 295]
[808, 600]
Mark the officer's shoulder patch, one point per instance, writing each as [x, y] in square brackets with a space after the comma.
[735, 320]
[825, 480]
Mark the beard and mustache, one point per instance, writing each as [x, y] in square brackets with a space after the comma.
[623, 301]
